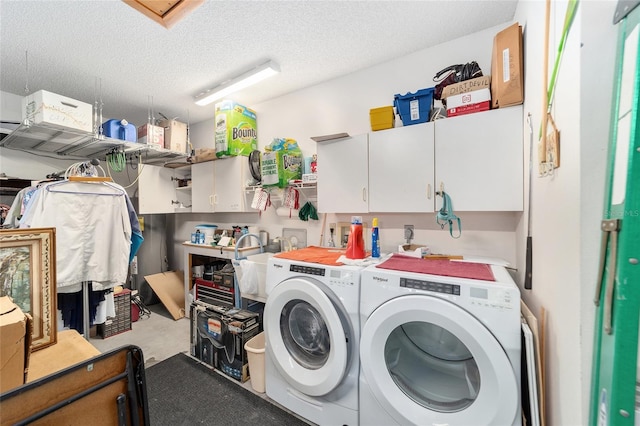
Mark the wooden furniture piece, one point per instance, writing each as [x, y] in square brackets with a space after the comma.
[70, 349]
[109, 388]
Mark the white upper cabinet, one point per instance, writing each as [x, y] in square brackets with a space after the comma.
[218, 186]
[401, 169]
[159, 191]
[231, 175]
[479, 160]
[202, 187]
[343, 175]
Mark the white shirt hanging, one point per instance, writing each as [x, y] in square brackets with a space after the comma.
[93, 231]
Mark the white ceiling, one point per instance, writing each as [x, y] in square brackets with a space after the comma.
[75, 47]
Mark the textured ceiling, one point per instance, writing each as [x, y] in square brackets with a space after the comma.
[86, 49]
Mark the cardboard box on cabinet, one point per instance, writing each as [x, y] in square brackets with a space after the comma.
[204, 154]
[15, 345]
[470, 85]
[57, 111]
[507, 72]
[469, 102]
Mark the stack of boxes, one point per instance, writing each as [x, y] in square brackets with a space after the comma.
[218, 336]
[468, 96]
[167, 134]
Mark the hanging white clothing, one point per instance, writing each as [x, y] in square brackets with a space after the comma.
[93, 231]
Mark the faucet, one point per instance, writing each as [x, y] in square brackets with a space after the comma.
[286, 242]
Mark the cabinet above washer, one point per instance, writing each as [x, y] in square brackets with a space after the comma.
[477, 159]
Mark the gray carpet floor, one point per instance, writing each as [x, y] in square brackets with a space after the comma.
[182, 391]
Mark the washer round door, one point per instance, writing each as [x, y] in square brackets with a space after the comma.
[428, 361]
[305, 336]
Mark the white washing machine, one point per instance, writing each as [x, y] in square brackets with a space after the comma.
[312, 328]
[438, 350]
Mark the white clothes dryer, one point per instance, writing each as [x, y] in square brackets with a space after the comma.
[439, 350]
[312, 329]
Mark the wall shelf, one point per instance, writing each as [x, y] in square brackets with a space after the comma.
[297, 185]
[78, 145]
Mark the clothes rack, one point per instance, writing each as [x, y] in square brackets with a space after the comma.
[102, 260]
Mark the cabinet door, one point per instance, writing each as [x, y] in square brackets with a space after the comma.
[343, 175]
[202, 187]
[401, 169]
[157, 190]
[230, 178]
[479, 160]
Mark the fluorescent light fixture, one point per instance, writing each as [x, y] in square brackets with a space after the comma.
[240, 82]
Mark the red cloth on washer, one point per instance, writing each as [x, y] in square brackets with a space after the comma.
[448, 268]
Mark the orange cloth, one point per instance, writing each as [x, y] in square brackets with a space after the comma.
[313, 254]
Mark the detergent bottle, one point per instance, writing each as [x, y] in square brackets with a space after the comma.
[355, 243]
[375, 238]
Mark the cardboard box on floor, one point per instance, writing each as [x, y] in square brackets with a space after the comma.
[15, 345]
[169, 287]
[507, 72]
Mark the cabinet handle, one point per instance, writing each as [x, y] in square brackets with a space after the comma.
[428, 191]
[364, 194]
[215, 199]
[210, 200]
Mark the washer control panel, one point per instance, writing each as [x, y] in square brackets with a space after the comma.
[432, 286]
[309, 270]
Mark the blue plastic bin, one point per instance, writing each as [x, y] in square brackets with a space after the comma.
[414, 108]
[120, 129]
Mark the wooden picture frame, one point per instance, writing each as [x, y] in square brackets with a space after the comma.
[28, 276]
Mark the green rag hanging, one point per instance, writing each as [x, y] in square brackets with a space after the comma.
[308, 211]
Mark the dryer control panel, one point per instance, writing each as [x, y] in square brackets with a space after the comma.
[334, 276]
[433, 286]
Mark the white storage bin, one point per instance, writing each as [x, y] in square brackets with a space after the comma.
[57, 111]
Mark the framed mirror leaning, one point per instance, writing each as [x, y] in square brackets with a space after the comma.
[28, 277]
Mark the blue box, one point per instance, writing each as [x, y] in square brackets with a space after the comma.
[120, 129]
[414, 108]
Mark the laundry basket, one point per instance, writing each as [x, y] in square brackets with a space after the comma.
[255, 353]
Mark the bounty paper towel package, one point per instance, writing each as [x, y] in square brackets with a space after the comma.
[281, 162]
[236, 129]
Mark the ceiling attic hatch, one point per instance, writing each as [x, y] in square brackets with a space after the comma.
[165, 12]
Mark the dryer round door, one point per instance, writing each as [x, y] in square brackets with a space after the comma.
[428, 361]
[305, 337]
